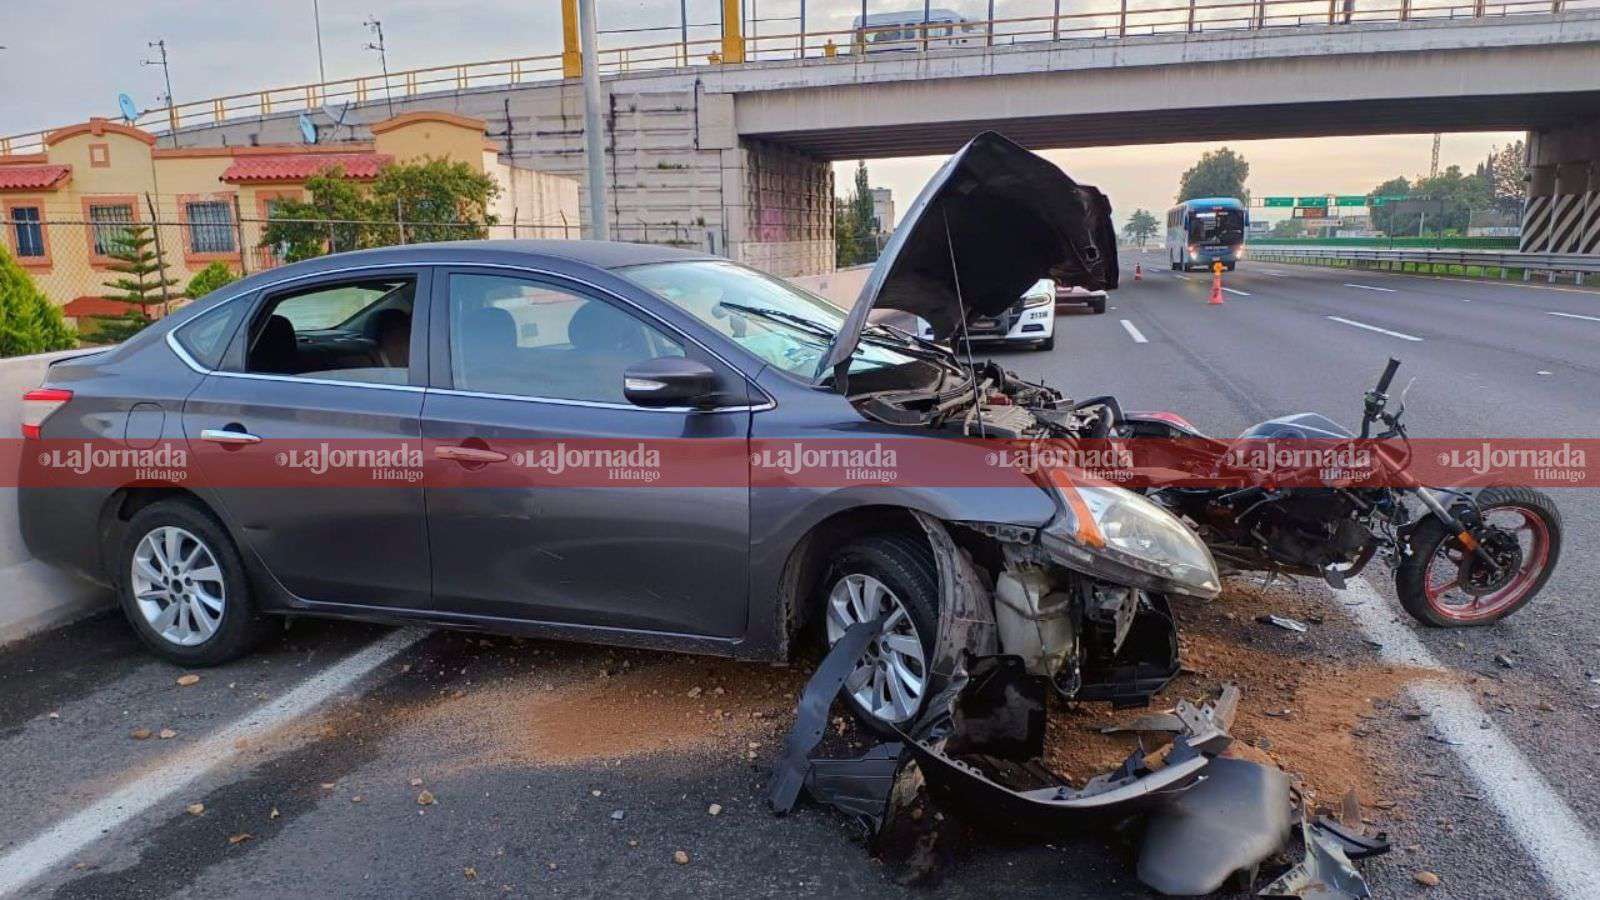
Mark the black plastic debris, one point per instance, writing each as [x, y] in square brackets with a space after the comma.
[811, 717]
[1236, 817]
[1327, 872]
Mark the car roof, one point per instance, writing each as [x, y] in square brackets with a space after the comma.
[600, 254]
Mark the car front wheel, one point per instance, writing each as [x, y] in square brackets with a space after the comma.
[894, 577]
[183, 586]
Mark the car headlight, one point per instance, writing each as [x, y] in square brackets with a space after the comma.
[1035, 300]
[1113, 533]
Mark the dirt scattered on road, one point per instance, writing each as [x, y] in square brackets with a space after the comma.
[659, 705]
[1318, 715]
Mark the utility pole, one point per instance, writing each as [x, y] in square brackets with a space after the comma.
[316, 18]
[383, 57]
[1433, 167]
[160, 44]
[593, 140]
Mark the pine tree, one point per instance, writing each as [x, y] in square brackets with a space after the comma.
[29, 322]
[144, 283]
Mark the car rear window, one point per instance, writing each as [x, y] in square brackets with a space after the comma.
[206, 336]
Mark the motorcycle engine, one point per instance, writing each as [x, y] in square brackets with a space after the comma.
[1312, 528]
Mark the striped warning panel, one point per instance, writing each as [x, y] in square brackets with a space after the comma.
[1566, 219]
[1535, 225]
[1591, 223]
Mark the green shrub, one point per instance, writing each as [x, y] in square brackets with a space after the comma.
[209, 279]
[29, 322]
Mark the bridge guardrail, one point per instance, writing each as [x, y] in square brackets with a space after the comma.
[1109, 19]
[1578, 264]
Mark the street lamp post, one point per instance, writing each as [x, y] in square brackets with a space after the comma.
[593, 140]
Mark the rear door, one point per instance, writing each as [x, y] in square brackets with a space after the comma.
[527, 376]
[291, 433]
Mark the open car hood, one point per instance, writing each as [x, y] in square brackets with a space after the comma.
[1013, 218]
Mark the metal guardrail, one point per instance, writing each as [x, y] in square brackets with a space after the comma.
[1110, 19]
[1579, 264]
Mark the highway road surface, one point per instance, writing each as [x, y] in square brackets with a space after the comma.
[369, 762]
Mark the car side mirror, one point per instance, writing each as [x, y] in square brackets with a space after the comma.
[669, 381]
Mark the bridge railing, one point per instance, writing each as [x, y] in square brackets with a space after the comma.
[1107, 19]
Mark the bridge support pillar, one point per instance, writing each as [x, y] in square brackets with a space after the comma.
[1562, 213]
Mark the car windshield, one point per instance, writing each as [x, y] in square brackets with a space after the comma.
[778, 322]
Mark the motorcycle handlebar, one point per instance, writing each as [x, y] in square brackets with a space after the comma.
[1388, 375]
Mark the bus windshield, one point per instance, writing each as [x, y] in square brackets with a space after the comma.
[1216, 226]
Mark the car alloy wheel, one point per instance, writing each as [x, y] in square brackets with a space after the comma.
[889, 680]
[178, 586]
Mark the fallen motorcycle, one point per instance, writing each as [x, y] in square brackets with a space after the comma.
[1467, 557]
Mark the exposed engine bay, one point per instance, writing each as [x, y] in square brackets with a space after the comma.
[978, 400]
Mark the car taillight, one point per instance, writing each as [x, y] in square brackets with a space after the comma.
[40, 405]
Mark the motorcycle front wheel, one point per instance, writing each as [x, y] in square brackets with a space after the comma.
[1443, 584]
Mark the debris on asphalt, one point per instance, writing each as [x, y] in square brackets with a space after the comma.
[470, 873]
[1328, 872]
[714, 809]
[617, 815]
[274, 813]
[195, 809]
[1505, 661]
[680, 857]
[167, 734]
[240, 838]
[1284, 622]
[1426, 878]
[140, 734]
[188, 680]
[425, 798]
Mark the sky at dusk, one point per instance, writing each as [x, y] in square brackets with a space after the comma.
[67, 60]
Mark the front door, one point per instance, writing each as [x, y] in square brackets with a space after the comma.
[527, 378]
[286, 434]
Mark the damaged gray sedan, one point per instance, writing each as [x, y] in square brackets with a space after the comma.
[476, 349]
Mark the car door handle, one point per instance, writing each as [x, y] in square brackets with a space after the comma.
[225, 436]
[470, 454]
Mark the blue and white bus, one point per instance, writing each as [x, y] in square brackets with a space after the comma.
[1205, 230]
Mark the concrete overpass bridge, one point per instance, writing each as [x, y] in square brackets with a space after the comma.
[733, 153]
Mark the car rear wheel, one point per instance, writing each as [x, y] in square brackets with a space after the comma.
[183, 586]
[890, 576]
[1098, 306]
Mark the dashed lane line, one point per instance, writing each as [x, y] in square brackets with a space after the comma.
[1353, 323]
[1134, 332]
[1237, 291]
[1553, 836]
[1371, 287]
[65, 839]
[1574, 316]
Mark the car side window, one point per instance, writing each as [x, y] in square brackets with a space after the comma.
[206, 336]
[357, 331]
[530, 339]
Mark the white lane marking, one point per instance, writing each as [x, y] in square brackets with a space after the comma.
[1353, 322]
[1574, 316]
[1553, 836]
[1371, 287]
[1275, 274]
[63, 840]
[1180, 275]
[1135, 333]
[1239, 292]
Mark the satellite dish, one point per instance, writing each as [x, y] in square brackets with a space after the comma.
[129, 111]
[308, 129]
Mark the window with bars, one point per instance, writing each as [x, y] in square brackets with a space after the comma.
[28, 229]
[210, 227]
[110, 223]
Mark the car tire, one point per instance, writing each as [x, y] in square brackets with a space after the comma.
[1098, 306]
[215, 619]
[898, 573]
[1048, 343]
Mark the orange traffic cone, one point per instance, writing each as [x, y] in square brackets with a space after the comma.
[1216, 285]
[1138, 272]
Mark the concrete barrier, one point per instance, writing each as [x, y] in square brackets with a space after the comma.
[33, 596]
